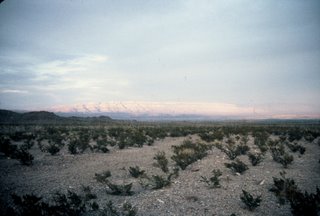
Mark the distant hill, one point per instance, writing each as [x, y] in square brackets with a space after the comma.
[44, 117]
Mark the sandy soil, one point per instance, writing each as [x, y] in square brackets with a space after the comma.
[187, 195]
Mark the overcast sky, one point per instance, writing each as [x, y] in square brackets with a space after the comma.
[262, 54]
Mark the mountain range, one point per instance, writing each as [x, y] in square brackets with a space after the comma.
[45, 117]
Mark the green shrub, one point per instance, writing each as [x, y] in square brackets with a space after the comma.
[242, 149]
[126, 210]
[6, 147]
[24, 156]
[101, 146]
[161, 161]
[283, 188]
[305, 204]
[214, 181]
[296, 147]
[53, 149]
[102, 177]
[230, 152]
[136, 171]
[280, 156]
[250, 202]
[159, 182]
[302, 204]
[189, 152]
[78, 145]
[29, 205]
[123, 190]
[129, 210]
[237, 166]
[70, 204]
[255, 159]
[88, 195]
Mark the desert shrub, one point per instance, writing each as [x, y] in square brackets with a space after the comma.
[109, 210]
[24, 156]
[296, 147]
[230, 152]
[214, 181]
[242, 149]
[28, 144]
[211, 136]
[161, 161]
[72, 147]
[250, 202]
[255, 159]
[280, 156]
[260, 140]
[159, 182]
[129, 210]
[101, 146]
[126, 210]
[123, 190]
[189, 152]
[244, 139]
[295, 134]
[230, 142]
[88, 195]
[68, 204]
[78, 145]
[6, 147]
[53, 149]
[29, 205]
[283, 188]
[237, 166]
[102, 177]
[302, 204]
[136, 171]
[305, 204]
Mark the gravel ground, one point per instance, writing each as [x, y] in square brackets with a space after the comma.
[187, 195]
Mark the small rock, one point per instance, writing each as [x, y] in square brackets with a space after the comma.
[160, 201]
[261, 182]
[195, 169]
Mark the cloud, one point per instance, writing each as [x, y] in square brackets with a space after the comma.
[14, 91]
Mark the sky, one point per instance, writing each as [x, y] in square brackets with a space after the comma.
[239, 57]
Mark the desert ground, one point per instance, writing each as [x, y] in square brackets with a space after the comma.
[186, 192]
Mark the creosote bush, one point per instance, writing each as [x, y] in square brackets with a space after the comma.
[23, 155]
[305, 204]
[302, 204]
[250, 202]
[122, 190]
[126, 210]
[189, 152]
[70, 204]
[294, 147]
[161, 161]
[136, 171]
[255, 159]
[214, 181]
[159, 182]
[279, 155]
[102, 177]
[6, 147]
[283, 188]
[237, 166]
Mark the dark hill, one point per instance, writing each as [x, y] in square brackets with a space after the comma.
[44, 117]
